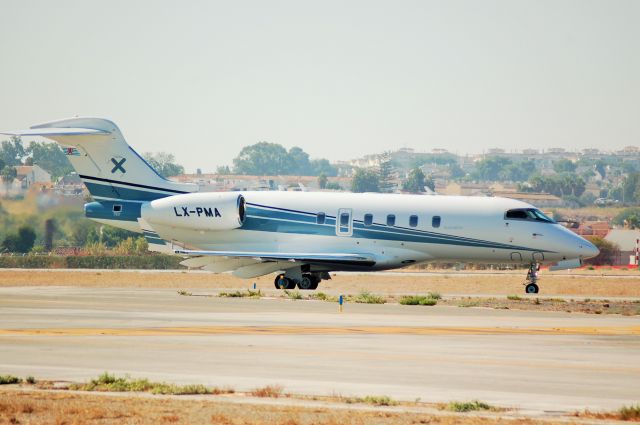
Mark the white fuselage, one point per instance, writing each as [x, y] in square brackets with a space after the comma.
[469, 229]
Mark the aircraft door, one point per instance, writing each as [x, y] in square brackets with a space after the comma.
[344, 222]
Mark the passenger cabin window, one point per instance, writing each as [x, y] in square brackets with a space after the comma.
[344, 219]
[320, 218]
[368, 219]
[117, 208]
[413, 221]
[391, 220]
[529, 214]
[435, 221]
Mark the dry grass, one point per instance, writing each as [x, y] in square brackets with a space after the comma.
[584, 284]
[36, 407]
[273, 391]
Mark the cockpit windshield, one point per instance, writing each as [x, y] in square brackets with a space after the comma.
[531, 214]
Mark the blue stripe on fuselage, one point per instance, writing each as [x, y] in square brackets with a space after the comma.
[265, 218]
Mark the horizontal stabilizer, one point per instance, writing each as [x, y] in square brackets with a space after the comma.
[46, 132]
[361, 259]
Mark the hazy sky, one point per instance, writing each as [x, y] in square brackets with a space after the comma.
[337, 78]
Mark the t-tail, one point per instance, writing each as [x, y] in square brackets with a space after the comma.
[117, 177]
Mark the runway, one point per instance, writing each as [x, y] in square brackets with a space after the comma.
[532, 360]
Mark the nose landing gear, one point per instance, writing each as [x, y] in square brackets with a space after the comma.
[531, 285]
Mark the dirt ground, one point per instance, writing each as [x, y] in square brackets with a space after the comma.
[46, 407]
[600, 283]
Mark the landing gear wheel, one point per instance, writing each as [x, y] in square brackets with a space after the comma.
[306, 283]
[531, 288]
[282, 282]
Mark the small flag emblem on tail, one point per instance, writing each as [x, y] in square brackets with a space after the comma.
[71, 151]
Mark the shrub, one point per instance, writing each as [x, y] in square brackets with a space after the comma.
[514, 298]
[274, 391]
[608, 251]
[9, 379]
[111, 383]
[418, 300]
[628, 413]
[31, 380]
[368, 298]
[293, 295]
[467, 406]
[379, 400]
[321, 296]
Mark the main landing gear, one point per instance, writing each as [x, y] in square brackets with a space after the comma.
[531, 285]
[306, 281]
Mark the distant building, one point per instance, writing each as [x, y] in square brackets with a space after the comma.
[593, 228]
[495, 151]
[541, 200]
[626, 241]
[30, 174]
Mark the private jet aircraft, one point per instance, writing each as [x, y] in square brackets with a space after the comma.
[302, 236]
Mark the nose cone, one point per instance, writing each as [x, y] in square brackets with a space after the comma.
[576, 246]
[592, 250]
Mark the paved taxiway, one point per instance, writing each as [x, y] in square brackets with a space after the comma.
[537, 360]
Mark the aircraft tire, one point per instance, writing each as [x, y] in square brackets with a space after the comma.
[282, 282]
[531, 288]
[306, 283]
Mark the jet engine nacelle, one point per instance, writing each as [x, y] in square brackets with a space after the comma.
[198, 211]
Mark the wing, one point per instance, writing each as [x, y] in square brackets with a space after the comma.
[248, 265]
[333, 258]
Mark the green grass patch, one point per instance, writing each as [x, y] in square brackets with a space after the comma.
[435, 295]
[293, 295]
[371, 399]
[418, 300]
[367, 298]
[111, 383]
[9, 379]
[241, 294]
[630, 413]
[321, 296]
[469, 303]
[467, 406]
[514, 298]
[556, 300]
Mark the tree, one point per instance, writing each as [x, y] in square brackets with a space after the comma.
[491, 169]
[455, 171]
[564, 166]
[8, 173]
[298, 162]
[608, 251]
[518, 172]
[415, 182]
[561, 185]
[365, 180]
[262, 159]
[385, 173]
[631, 188]
[629, 217]
[333, 186]
[601, 168]
[12, 152]
[322, 181]
[322, 166]
[164, 163]
[20, 241]
[49, 157]
[223, 170]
